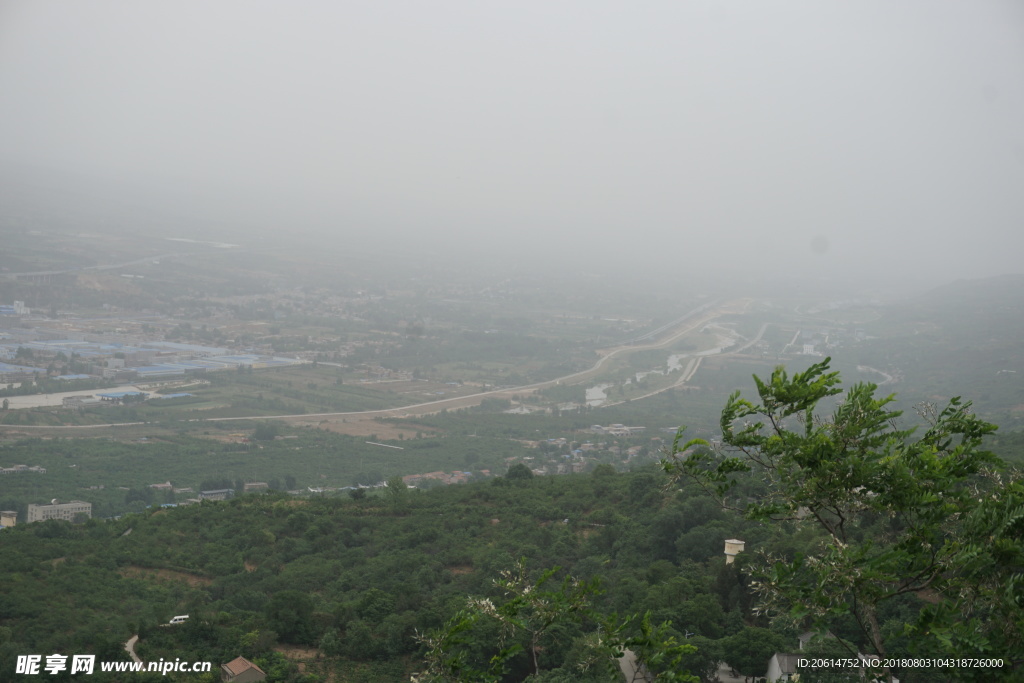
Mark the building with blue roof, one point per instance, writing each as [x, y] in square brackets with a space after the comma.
[120, 396]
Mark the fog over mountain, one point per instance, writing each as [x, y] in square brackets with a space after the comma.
[869, 140]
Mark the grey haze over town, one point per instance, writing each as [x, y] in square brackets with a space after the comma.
[871, 142]
[391, 340]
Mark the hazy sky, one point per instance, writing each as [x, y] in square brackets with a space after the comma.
[808, 136]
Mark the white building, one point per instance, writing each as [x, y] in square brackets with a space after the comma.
[733, 547]
[76, 509]
[782, 667]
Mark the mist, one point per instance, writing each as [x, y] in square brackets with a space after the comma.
[868, 141]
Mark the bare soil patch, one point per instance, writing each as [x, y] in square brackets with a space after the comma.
[366, 427]
[236, 437]
[296, 653]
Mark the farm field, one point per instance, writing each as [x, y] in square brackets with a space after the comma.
[293, 390]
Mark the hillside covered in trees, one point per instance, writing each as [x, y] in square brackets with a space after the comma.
[352, 589]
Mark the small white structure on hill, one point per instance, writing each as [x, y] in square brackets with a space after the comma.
[733, 547]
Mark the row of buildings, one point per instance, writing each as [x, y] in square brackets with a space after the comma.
[18, 308]
[617, 430]
[72, 511]
[79, 511]
[127, 362]
[23, 469]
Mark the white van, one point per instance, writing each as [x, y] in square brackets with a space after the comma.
[180, 619]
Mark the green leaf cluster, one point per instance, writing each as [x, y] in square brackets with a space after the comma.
[919, 519]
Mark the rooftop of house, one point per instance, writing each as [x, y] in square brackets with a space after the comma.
[240, 665]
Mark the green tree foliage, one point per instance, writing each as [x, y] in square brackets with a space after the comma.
[289, 613]
[749, 650]
[518, 471]
[265, 431]
[900, 514]
[532, 619]
[360, 578]
[398, 492]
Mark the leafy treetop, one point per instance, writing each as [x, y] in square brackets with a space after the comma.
[901, 512]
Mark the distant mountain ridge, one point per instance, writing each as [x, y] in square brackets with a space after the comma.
[965, 338]
[977, 299]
